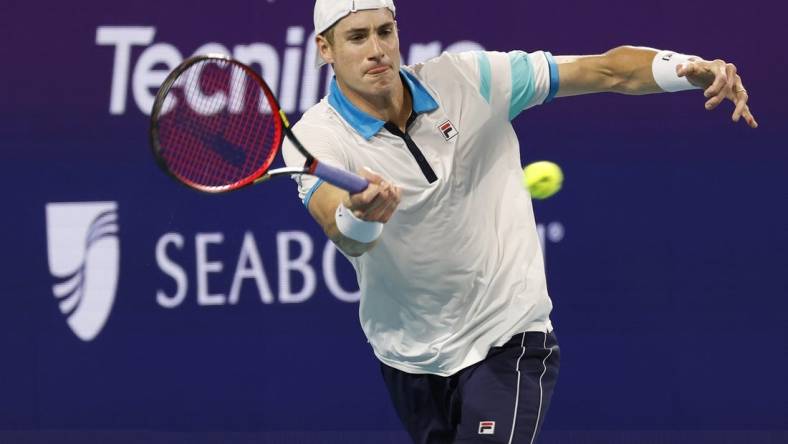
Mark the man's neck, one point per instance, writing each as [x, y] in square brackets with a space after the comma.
[395, 108]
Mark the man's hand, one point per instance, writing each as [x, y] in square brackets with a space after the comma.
[378, 202]
[719, 81]
[375, 204]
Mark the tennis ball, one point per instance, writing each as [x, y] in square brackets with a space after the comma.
[542, 179]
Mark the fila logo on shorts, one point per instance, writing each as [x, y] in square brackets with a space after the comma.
[447, 129]
[84, 258]
[487, 428]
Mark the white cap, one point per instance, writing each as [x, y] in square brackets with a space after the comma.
[328, 12]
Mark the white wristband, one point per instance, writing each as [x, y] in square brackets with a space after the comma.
[354, 228]
[664, 69]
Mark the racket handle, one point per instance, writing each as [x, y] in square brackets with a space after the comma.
[349, 182]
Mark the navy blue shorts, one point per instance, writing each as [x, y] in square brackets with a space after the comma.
[502, 399]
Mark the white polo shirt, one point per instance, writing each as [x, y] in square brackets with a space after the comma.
[458, 268]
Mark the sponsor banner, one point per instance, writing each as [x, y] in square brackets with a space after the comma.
[132, 303]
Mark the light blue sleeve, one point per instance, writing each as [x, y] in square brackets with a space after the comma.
[485, 74]
[515, 81]
[523, 85]
[534, 80]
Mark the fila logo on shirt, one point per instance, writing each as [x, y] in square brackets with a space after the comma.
[447, 129]
[84, 258]
[487, 428]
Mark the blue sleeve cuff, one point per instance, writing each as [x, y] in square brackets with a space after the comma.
[554, 80]
[309, 194]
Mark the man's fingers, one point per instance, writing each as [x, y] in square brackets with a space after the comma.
[718, 86]
[743, 110]
[723, 83]
[380, 200]
[723, 86]
[358, 203]
[741, 106]
[733, 78]
[714, 102]
[372, 213]
[749, 118]
[370, 175]
[385, 212]
[383, 194]
[383, 206]
[393, 203]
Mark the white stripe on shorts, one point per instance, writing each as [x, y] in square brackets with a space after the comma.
[517, 396]
[539, 412]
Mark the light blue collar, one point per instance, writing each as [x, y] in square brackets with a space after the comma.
[366, 125]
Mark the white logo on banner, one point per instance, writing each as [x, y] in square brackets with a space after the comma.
[287, 64]
[84, 256]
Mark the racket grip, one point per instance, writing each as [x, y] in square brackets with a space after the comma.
[349, 182]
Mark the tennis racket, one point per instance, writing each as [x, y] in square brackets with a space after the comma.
[217, 127]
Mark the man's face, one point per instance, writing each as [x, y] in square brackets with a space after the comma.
[365, 52]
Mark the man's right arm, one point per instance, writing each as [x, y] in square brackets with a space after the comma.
[375, 204]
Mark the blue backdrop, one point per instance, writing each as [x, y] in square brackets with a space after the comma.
[136, 310]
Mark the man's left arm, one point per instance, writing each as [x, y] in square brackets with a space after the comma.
[631, 70]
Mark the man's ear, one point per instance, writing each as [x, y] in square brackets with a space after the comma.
[324, 49]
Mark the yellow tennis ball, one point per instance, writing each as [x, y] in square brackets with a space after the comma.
[542, 179]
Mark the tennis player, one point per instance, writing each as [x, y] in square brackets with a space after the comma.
[444, 243]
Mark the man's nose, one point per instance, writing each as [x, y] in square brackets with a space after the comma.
[376, 50]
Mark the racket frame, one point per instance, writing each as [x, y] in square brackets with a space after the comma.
[282, 128]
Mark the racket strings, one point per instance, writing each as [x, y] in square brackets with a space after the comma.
[252, 133]
[262, 130]
[218, 128]
[217, 141]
